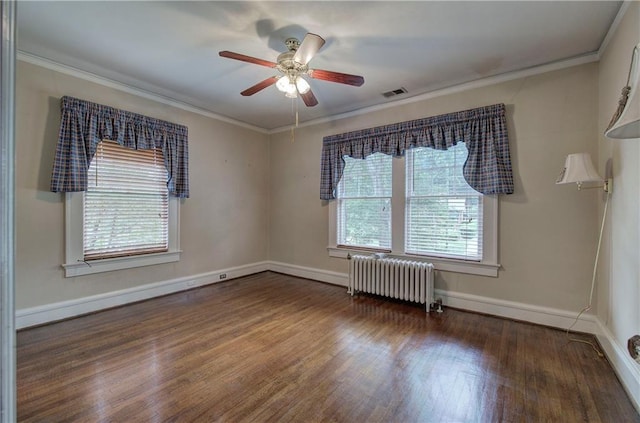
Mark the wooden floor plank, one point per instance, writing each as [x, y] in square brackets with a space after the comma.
[270, 347]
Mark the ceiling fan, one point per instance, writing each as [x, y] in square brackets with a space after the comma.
[293, 64]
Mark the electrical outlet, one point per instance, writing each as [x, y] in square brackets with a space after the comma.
[223, 276]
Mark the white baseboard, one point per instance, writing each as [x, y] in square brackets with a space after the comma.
[626, 368]
[334, 278]
[546, 316]
[513, 310]
[63, 310]
[518, 311]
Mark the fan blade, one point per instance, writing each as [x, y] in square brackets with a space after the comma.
[308, 48]
[249, 59]
[342, 78]
[309, 99]
[260, 86]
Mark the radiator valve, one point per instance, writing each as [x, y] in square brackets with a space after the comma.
[439, 303]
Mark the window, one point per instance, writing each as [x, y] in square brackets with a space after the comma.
[126, 217]
[364, 202]
[418, 206]
[126, 207]
[443, 213]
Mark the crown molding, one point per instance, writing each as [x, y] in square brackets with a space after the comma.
[614, 27]
[465, 86]
[478, 83]
[91, 77]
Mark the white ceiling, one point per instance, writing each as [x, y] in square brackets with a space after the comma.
[171, 48]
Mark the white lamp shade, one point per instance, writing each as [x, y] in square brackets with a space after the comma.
[628, 124]
[302, 85]
[285, 85]
[578, 168]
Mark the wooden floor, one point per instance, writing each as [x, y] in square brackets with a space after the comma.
[270, 347]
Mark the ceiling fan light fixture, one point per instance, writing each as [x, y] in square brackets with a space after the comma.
[302, 85]
[285, 85]
[292, 65]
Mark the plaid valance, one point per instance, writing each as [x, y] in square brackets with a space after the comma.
[84, 124]
[483, 130]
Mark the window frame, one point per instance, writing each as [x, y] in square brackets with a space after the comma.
[466, 192]
[75, 264]
[342, 200]
[489, 264]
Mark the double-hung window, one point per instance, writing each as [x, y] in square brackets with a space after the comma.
[443, 213]
[126, 218]
[436, 215]
[126, 205]
[121, 198]
[364, 203]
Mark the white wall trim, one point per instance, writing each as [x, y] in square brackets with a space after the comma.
[626, 368]
[63, 310]
[553, 317]
[456, 88]
[453, 89]
[106, 82]
[334, 278]
[556, 318]
[614, 27]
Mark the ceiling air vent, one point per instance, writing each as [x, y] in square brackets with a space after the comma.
[401, 90]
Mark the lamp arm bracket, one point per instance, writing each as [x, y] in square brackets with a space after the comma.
[607, 186]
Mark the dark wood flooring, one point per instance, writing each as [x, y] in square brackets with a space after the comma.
[270, 347]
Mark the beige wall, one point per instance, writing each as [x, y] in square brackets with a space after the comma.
[223, 224]
[619, 277]
[253, 200]
[547, 235]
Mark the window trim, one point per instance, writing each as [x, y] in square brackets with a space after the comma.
[378, 196]
[410, 177]
[488, 266]
[74, 256]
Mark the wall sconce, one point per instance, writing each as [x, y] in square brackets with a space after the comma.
[578, 169]
[625, 123]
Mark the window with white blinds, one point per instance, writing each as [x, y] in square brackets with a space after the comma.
[443, 214]
[126, 205]
[364, 202]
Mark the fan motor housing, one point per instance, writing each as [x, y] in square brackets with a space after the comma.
[287, 65]
[292, 44]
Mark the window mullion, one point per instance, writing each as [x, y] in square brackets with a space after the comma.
[398, 205]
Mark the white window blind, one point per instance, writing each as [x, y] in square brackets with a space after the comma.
[364, 202]
[126, 207]
[443, 213]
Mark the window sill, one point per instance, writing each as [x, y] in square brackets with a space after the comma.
[442, 264]
[118, 263]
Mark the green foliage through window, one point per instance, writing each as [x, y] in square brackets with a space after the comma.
[443, 213]
[364, 202]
